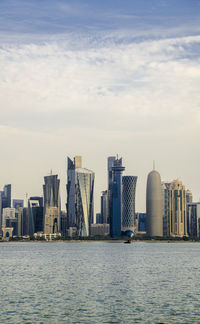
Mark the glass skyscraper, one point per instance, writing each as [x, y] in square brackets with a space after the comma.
[104, 207]
[80, 189]
[116, 216]
[128, 215]
[5, 200]
[51, 204]
[35, 215]
[84, 201]
[6, 196]
[110, 162]
[71, 189]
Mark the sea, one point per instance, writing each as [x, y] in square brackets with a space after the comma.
[99, 282]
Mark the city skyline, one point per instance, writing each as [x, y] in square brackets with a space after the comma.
[97, 209]
[170, 209]
[97, 79]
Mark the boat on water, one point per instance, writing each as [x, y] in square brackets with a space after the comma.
[128, 241]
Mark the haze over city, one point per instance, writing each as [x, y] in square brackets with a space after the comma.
[96, 79]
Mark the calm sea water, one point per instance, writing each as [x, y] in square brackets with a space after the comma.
[99, 282]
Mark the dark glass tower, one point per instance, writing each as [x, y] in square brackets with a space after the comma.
[71, 189]
[116, 217]
[6, 196]
[111, 160]
[35, 215]
[5, 200]
[51, 204]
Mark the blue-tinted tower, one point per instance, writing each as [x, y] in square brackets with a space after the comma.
[116, 217]
[111, 160]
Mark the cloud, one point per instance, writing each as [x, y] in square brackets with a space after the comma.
[135, 80]
[99, 96]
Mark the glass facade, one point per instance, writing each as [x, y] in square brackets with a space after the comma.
[128, 200]
[116, 216]
[5, 200]
[71, 189]
[18, 203]
[51, 204]
[194, 220]
[141, 222]
[111, 160]
[80, 187]
[104, 207]
[84, 201]
[6, 196]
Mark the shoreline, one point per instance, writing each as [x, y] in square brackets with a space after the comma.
[102, 241]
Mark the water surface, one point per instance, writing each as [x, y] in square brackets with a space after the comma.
[99, 282]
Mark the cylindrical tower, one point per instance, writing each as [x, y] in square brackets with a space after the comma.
[154, 223]
[128, 199]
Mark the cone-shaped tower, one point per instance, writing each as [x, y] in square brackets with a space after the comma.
[154, 223]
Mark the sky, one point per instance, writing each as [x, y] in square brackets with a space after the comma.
[99, 78]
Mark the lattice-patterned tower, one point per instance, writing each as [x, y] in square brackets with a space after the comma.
[128, 201]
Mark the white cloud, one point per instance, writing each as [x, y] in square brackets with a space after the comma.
[140, 99]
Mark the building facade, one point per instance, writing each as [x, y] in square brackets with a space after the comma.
[18, 203]
[116, 216]
[141, 222]
[154, 202]
[128, 201]
[72, 165]
[9, 219]
[177, 209]
[80, 200]
[35, 215]
[166, 208]
[5, 200]
[194, 220]
[84, 201]
[105, 207]
[51, 204]
[110, 162]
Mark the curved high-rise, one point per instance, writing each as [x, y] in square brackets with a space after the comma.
[84, 200]
[154, 223]
[128, 199]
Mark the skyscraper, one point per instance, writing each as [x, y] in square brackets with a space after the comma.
[18, 203]
[128, 201]
[35, 215]
[188, 195]
[194, 220]
[5, 200]
[166, 208]
[71, 189]
[84, 201]
[110, 162]
[116, 216]
[154, 222]
[177, 208]
[51, 204]
[80, 189]
[105, 207]
[6, 196]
